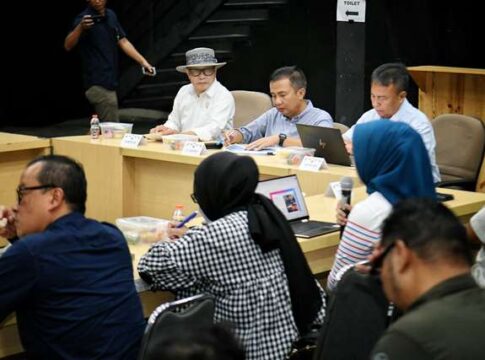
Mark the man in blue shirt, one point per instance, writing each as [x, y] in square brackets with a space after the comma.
[68, 278]
[277, 126]
[99, 33]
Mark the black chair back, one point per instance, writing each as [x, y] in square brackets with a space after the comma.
[195, 311]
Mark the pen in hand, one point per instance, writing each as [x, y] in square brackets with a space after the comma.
[186, 220]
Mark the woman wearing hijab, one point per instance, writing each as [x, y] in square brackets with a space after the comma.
[392, 162]
[246, 256]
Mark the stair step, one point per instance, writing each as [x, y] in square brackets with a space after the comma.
[221, 31]
[153, 102]
[160, 88]
[218, 46]
[238, 15]
[254, 3]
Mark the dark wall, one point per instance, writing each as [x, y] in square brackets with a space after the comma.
[42, 83]
[302, 34]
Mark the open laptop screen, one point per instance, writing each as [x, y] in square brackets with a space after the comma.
[327, 142]
[285, 192]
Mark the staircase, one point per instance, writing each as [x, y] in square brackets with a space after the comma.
[177, 26]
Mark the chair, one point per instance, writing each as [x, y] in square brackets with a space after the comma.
[249, 105]
[460, 142]
[343, 128]
[195, 311]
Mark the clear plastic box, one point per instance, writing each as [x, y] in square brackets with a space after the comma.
[295, 154]
[115, 129]
[177, 141]
[143, 229]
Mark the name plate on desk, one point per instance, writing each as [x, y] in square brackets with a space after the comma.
[131, 141]
[312, 163]
[334, 190]
[193, 148]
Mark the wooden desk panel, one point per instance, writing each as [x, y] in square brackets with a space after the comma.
[15, 152]
[150, 180]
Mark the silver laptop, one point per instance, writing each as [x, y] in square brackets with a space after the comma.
[327, 142]
[286, 194]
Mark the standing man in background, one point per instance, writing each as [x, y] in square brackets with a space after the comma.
[388, 91]
[98, 33]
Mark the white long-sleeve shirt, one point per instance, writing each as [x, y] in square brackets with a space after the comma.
[408, 114]
[207, 114]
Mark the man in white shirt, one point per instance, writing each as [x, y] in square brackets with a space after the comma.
[204, 107]
[389, 84]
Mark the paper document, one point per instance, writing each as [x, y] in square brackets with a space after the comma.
[241, 149]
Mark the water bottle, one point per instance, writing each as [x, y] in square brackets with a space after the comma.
[95, 128]
[178, 213]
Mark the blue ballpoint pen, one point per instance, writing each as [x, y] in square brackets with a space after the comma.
[187, 219]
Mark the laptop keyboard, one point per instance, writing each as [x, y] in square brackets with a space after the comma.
[302, 227]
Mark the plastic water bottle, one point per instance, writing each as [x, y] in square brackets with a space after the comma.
[95, 128]
[178, 213]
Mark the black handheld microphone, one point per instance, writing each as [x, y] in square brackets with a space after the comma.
[346, 185]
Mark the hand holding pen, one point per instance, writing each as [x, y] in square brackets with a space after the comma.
[176, 231]
[186, 220]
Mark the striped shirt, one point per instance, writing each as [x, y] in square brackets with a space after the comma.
[362, 232]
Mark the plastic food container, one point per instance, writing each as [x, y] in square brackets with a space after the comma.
[177, 141]
[143, 229]
[295, 154]
[115, 130]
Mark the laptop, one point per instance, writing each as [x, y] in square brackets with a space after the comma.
[286, 194]
[327, 142]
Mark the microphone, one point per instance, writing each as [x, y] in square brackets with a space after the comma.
[346, 185]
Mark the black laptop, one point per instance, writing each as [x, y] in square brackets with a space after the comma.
[327, 142]
[285, 192]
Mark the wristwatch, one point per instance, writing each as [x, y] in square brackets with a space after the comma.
[282, 139]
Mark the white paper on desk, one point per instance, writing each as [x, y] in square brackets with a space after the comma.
[334, 190]
[241, 149]
[131, 141]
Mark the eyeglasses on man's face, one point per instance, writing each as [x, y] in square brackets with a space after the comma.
[194, 199]
[22, 189]
[206, 71]
[376, 265]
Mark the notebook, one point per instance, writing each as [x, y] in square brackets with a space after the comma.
[327, 142]
[286, 194]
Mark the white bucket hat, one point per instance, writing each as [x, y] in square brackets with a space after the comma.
[200, 58]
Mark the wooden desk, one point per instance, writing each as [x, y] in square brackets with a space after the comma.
[15, 152]
[152, 179]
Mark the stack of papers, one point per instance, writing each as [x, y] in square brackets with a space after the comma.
[241, 149]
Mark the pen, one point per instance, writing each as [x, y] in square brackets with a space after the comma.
[186, 220]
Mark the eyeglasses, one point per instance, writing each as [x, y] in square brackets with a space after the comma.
[22, 189]
[206, 71]
[379, 260]
[194, 199]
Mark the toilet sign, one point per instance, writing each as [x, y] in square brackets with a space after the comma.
[351, 10]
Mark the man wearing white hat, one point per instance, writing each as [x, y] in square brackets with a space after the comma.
[204, 107]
